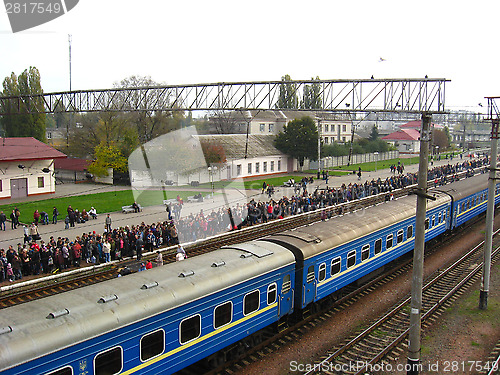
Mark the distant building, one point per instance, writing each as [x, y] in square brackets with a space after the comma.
[256, 156]
[26, 167]
[405, 140]
[333, 127]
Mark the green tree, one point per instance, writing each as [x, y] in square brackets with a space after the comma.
[312, 96]
[107, 156]
[288, 94]
[24, 124]
[374, 134]
[214, 152]
[149, 124]
[299, 139]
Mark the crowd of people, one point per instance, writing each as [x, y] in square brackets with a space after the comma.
[38, 256]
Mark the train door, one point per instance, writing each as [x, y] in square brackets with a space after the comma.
[286, 296]
[309, 291]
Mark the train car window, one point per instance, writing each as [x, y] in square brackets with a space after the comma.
[439, 218]
[152, 344]
[190, 329]
[251, 302]
[462, 208]
[109, 362]
[287, 284]
[310, 275]
[433, 220]
[426, 223]
[322, 272]
[271, 293]
[68, 370]
[351, 258]
[409, 232]
[365, 252]
[335, 266]
[400, 236]
[378, 246]
[388, 243]
[223, 314]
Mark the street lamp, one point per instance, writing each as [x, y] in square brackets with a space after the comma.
[376, 158]
[211, 171]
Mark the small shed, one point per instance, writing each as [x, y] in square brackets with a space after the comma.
[26, 167]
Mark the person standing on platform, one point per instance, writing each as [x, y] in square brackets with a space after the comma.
[108, 223]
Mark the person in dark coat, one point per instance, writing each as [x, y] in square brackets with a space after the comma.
[138, 247]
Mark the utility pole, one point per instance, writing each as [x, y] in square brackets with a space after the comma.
[490, 210]
[418, 252]
[319, 147]
[70, 116]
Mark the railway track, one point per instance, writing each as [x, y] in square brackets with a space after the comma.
[46, 286]
[385, 335]
[273, 341]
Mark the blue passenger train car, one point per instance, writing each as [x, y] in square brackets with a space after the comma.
[470, 197]
[334, 253]
[153, 322]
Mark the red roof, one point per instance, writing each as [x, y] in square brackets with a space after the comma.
[404, 135]
[26, 148]
[72, 164]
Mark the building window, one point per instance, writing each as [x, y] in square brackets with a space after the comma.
[264, 166]
[343, 139]
[272, 166]
[262, 128]
[344, 128]
[1, 185]
[223, 314]
[251, 302]
[326, 140]
[271, 128]
[190, 329]
[152, 345]
[49, 135]
[249, 168]
[109, 362]
[41, 182]
[257, 167]
[279, 165]
[238, 170]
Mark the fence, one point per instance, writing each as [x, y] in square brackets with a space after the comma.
[337, 161]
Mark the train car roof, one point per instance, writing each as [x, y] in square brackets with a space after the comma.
[316, 238]
[465, 187]
[26, 331]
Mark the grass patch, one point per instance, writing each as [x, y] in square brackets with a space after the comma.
[103, 202]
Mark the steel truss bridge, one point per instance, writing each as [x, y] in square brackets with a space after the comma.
[365, 95]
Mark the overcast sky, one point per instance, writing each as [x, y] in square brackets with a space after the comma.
[180, 42]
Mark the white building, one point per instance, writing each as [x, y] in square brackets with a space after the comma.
[26, 167]
[332, 127]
